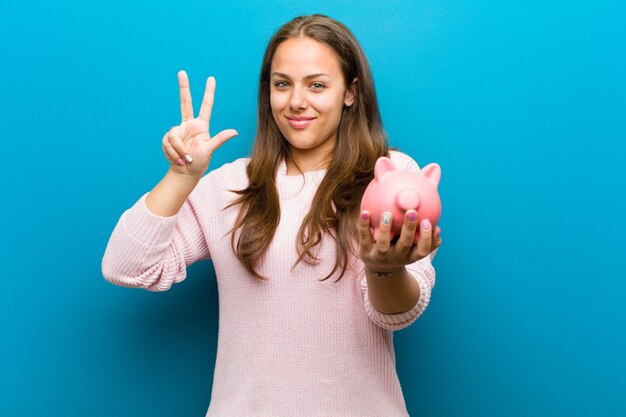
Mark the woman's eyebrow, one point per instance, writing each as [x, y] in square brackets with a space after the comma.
[307, 77]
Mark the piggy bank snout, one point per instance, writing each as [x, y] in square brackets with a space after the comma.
[408, 200]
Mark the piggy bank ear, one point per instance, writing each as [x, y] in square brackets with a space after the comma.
[432, 172]
[383, 165]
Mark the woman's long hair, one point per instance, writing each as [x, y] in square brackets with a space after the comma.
[360, 141]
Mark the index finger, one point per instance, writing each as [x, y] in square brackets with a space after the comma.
[186, 109]
[207, 100]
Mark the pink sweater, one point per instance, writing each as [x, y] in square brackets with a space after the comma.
[292, 346]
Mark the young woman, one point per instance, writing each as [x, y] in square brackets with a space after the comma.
[278, 225]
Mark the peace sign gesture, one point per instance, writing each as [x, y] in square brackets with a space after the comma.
[188, 147]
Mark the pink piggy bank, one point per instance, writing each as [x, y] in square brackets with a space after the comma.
[397, 191]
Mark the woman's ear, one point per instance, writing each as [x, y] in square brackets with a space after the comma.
[350, 94]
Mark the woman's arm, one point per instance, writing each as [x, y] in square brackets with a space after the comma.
[423, 274]
[395, 294]
[151, 250]
[171, 192]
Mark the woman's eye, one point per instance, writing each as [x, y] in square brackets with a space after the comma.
[317, 86]
[281, 84]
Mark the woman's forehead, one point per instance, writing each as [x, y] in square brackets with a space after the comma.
[301, 57]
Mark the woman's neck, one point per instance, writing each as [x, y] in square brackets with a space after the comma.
[306, 160]
[305, 166]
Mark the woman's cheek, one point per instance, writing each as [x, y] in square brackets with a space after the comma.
[277, 102]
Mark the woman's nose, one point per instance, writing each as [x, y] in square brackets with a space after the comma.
[298, 99]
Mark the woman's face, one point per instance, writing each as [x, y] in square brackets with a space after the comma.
[307, 96]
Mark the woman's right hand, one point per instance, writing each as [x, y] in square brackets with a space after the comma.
[191, 140]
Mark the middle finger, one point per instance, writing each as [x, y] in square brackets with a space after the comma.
[207, 100]
[407, 235]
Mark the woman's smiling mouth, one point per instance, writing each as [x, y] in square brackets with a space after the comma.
[299, 122]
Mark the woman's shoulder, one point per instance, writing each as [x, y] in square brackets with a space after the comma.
[403, 160]
[215, 189]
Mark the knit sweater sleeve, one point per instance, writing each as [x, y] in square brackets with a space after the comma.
[422, 270]
[152, 252]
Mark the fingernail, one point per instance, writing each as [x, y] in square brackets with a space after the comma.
[426, 224]
[180, 162]
[386, 218]
[365, 215]
[188, 158]
[412, 216]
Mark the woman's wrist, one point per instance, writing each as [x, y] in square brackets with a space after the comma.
[169, 195]
[381, 273]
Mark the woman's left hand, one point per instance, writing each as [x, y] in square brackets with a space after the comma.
[381, 256]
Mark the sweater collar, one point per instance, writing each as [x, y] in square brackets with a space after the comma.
[282, 172]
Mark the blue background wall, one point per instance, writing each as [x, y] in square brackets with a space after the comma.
[521, 103]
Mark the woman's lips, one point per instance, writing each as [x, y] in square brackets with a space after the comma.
[300, 122]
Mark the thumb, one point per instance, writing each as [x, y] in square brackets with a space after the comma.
[219, 139]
